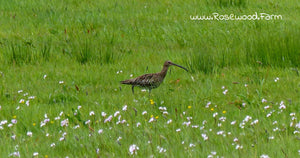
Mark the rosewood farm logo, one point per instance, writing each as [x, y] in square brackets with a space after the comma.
[234, 17]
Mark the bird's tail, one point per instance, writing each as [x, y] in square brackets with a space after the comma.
[126, 82]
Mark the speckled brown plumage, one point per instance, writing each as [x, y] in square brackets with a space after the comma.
[151, 81]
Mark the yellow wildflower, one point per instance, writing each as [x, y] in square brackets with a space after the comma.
[212, 109]
[14, 116]
[224, 112]
[156, 117]
[34, 124]
[151, 101]
[189, 107]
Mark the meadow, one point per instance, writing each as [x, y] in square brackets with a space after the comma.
[62, 63]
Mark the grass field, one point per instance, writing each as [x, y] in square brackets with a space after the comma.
[62, 63]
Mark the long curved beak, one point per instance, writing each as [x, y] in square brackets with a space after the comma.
[180, 67]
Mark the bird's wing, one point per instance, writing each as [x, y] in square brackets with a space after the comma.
[146, 80]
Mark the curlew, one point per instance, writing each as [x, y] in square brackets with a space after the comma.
[151, 81]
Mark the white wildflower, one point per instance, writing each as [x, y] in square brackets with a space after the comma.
[238, 147]
[119, 139]
[276, 129]
[52, 145]
[92, 113]
[195, 126]
[225, 91]
[192, 145]
[189, 118]
[162, 108]
[124, 108]
[220, 132]
[161, 149]
[247, 118]
[35, 154]
[235, 139]
[100, 131]
[14, 121]
[264, 156]
[144, 112]
[108, 119]
[64, 123]
[297, 125]
[15, 154]
[27, 103]
[87, 122]
[116, 113]
[29, 134]
[233, 122]
[282, 106]
[31, 97]
[21, 101]
[151, 119]
[75, 127]
[186, 123]
[223, 119]
[254, 122]
[3, 122]
[215, 114]
[243, 104]
[133, 149]
[208, 104]
[204, 136]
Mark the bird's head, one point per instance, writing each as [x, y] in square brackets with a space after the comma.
[169, 63]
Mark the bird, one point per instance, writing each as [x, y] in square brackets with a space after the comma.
[153, 80]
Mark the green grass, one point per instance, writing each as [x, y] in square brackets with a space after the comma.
[92, 45]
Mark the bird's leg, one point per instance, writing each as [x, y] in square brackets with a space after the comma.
[149, 93]
[132, 89]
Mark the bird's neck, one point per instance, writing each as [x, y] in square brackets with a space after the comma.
[164, 71]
